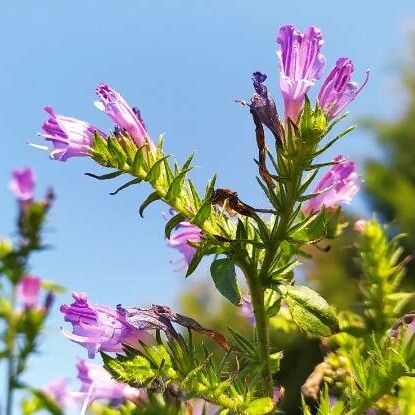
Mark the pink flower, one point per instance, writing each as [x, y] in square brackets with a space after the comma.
[338, 89]
[182, 234]
[28, 291]
[70, 137]
[337, 186]
[22, 184]
[301, 64]
[98, 328]
[118, 109]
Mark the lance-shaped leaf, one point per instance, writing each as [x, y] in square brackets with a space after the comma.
[125, 185]
[107, 176]
[224, 276]
[172, 223]
[309, 310]
[150, 199]
[176, 185]
[116, 151]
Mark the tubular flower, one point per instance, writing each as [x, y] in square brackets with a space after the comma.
[28, 291]
[22, 184]
[338, 89]
[263, 105]
[98, 328]
[184, 233]
[70, 137]
[124, 116]
[338, 185]
[301, 64]
[96, 383]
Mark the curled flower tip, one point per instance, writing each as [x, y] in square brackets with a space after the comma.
[98, 328]
[182, 237]
[97, 382]
[124, 116]
[338, 90]
[301, 64]
[338, 185]
[70, 137]
[28, 291]
[263, 107]
[22, 184]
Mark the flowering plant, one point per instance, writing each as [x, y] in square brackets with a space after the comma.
[150, 366]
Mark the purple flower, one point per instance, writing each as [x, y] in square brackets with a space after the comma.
[28, 291]
[301, 64]
[247, 309]
[263, 106]
[98, 328]
[118, 109]
[22, 184]
[96, 383]
[338, 89]
[58, 390]
[70, 137]
[182, 234]
[338, 185]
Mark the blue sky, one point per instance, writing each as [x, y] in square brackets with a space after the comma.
[183, 63]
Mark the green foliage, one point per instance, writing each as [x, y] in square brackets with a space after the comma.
[224, 276]
[193, 372]
[309, 310]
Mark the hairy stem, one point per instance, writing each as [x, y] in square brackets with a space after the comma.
[261, 321]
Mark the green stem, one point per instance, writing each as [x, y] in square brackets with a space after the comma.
[11, 339]
[261, 324]
[257, 296]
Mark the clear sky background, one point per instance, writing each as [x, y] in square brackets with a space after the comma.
[182, 63]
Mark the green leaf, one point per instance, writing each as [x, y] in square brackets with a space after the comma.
[309, 310]
[150, 199]
[125, 185]
[172, 223]
[203, 213]
[155, 170]
[176, 185]
[107, 176]
[116, 151]
[224, 276]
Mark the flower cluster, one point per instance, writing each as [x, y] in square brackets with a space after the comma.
[301, 65]
[71, 137]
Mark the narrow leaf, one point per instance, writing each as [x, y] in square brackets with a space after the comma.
[150, 199]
